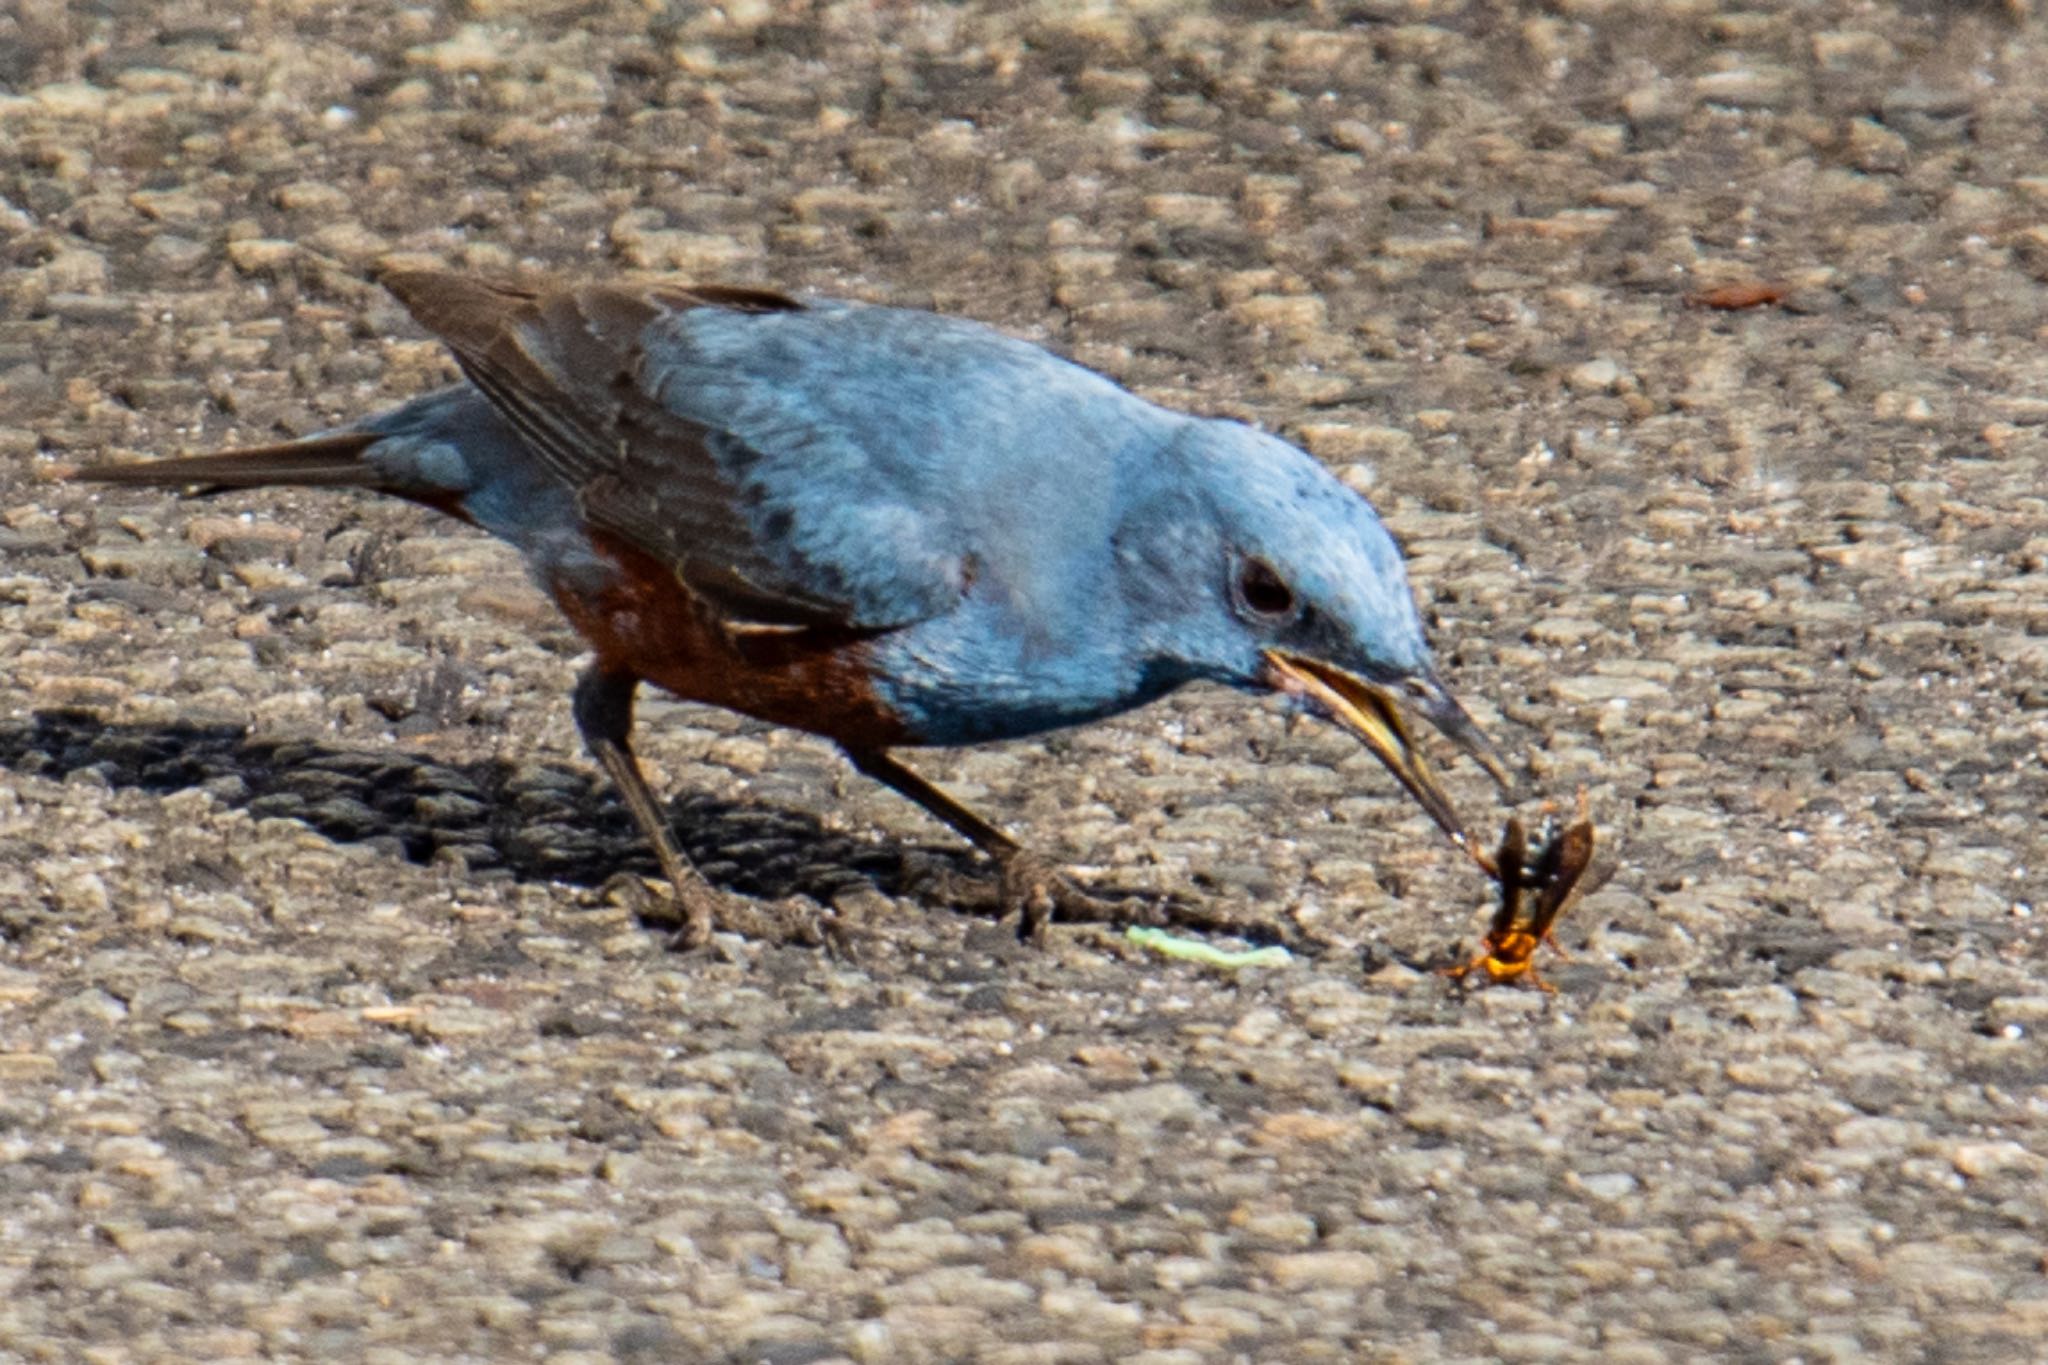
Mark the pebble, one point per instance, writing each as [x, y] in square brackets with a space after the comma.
[474, 48]
[1311, 1270]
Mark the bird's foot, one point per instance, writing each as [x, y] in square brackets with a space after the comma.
[695, 911]
[1038, 892]
[1026, 886]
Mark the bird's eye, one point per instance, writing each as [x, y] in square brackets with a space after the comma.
[1263, 594]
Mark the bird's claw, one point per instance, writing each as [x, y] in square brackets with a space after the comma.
[695, 911]
[1038, 893]
[1027, 886]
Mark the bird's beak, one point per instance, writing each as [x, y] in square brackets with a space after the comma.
[1373, 713]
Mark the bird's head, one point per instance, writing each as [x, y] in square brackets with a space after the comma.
[1287, 581]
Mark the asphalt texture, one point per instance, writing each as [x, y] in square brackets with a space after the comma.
[326, 1034]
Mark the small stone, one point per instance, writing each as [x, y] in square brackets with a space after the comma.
[1849, 50]
[312, 196]
[1308, 1270]
[1291, 315]
[1982, 1159]
[1147, 1107]
[474, 48]
[1874, 147]
[1296, 1129]
[1572, 225]
[1435, 250]
[1596, 690]
[1601, 375]
[2028, 1012]
[1747, 87]
[551, 1158]
[26, 1067]
[73, 270]
[1607, 1184]
[261, 255]
[72, 99]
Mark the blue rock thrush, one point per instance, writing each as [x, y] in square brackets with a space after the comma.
[882, 526]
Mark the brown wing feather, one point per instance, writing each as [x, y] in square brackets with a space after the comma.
[462, 310]
[487, 326]
[563, 366]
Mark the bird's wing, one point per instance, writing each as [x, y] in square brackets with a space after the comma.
[570, 369]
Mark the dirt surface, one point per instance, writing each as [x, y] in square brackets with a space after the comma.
[319, 1038]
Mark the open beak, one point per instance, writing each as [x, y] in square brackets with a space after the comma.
[1373, 713]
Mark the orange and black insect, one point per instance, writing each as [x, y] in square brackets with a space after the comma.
[1536, 885]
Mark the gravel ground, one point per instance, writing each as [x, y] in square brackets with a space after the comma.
[319, 1038]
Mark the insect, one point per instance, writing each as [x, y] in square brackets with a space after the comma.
[1536, 884]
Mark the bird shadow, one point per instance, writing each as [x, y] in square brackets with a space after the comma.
[529, 822]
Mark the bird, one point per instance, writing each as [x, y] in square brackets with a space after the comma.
[887, 527]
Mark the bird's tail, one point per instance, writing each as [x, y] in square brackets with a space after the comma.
[334, 461]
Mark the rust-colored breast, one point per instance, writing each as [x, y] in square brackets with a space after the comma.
[647, 624]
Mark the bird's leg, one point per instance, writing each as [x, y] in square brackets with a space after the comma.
[604, 717]
[1030, 885]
